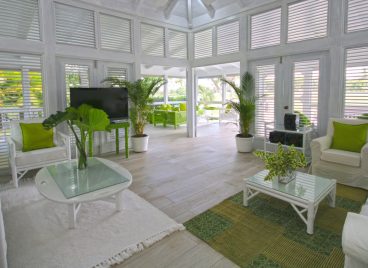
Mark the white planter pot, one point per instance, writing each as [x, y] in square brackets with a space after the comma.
[244, 145]
[140, 144]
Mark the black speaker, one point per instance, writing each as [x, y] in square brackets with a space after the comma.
[291, 121]
[277, 137]
[295, 139]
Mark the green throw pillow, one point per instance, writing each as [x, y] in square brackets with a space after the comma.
[349, 137]
[36, 137]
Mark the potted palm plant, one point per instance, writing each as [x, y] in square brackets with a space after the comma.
[245, 107]
[140, 95]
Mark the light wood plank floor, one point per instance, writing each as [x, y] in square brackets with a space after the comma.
[184, 177]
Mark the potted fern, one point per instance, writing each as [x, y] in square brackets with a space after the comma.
[140, 95]
[246, 108]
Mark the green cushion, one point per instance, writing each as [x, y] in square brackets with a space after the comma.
[35, 137]
[349, 137]
[183, 106]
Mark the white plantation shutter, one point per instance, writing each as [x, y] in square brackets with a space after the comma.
[306, 89]
[20, 19]
[356, 82]
[228, 38]
[178, 44]
[21, 94]
[307, 20]
[153, 40]
[74, 26]
[75, 76]
[265, 87]
[115, 33]
[357, 15]
[266, 29]
[203, 44]
[117, 72]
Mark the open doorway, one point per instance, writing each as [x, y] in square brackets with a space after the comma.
[213, 114]
[169, 114]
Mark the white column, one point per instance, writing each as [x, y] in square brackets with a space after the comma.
[166, 89]
[50, 90]
[191, 104]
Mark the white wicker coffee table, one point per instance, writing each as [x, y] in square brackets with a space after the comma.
[64, 183]
[304, 193]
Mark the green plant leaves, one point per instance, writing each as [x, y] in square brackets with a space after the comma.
[282, 161]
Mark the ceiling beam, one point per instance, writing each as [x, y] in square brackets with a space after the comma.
[169, 8]
[190, 14]
[210, 9]
[137, 4]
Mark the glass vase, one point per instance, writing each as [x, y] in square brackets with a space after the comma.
[288, 177]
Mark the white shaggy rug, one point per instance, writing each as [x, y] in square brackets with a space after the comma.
[37, 231]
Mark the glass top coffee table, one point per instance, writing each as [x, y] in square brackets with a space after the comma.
[304, 193]
[64, 183]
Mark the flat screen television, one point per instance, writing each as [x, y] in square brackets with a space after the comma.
[114, 101]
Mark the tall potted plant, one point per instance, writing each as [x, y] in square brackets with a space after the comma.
[245, 107]
[140, 95]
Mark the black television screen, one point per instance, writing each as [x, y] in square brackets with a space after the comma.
[114, 101]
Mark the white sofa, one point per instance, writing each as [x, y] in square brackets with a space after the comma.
[346, 167]
[21, 162]
[355, 239]
[3, 247]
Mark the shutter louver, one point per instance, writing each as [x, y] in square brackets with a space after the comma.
[177, 44]
[20, 19]
[265, 87]
[74, 26]
[203, 44]
[117, 72]
[21, 94]
[266, 29]
[357, 15]
[153, 40]
[228, 38]
[356, 82]
[307, 20]
[75, 76]
[115, 33]
[306, 90]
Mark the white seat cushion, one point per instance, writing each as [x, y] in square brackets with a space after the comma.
[341, 157]
[35, 157]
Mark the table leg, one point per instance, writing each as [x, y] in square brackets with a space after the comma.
[310, 218]
[72, 214]
[332, 197]
[126, 143]
[119, 201]
[117, 140]
[245, 195]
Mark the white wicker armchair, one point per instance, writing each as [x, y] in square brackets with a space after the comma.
[346, 167]
[21, 162]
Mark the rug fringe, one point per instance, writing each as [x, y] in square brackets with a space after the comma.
[129, 251]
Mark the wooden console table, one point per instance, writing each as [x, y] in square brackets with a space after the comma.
[117, 126]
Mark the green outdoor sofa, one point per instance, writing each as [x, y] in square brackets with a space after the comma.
[169, 115]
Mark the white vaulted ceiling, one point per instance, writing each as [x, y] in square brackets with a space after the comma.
[185, 13]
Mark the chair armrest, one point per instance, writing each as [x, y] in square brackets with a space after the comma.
[12, 148]
[318, 145]
[64, 140]
[355, 237]
[364, 156]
